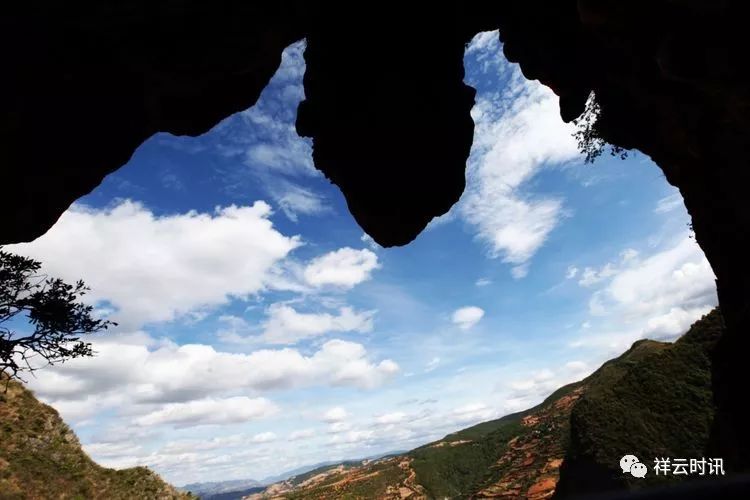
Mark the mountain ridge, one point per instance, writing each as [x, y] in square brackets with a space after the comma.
[41, 457]
[569, 444]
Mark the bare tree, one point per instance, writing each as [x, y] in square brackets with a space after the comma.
[50, 307]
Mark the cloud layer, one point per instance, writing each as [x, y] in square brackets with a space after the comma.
[166, 379]
[518, 130]
[157, 268]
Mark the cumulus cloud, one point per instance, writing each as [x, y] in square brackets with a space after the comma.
[263, 437]
[157, 268]
[286, 326]
[345, 268]
[336, 414]
[353, 436]
[517, 131]
[391, 418]
[591, 276]
[473, 412]
[526, 391]
[339, 427]
[302, 434]
[654, 297]
[174, 377]
[180, 446]
[467, 317]
[210, 411]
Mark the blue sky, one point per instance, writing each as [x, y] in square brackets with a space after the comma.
[261, 330]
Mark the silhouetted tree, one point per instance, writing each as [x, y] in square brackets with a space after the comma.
[51, 308]
[589, 139]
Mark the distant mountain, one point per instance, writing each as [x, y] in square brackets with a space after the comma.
[237, 489]
[224, 490]
[653, 400]
[299, 471]
[40, 457]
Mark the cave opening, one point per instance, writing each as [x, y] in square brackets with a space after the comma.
[261, 330]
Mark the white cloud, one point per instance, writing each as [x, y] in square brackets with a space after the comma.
[336, 414]
[391, 418]
[263, 437]
[135, 378]
[156, 268]
[628, 254]
[576, 366]
[483, 282]
[339, 427]
[528, 390]
[181, 446]
[302, 434]
[355, 436]
[286, 326]
[473, 412]
[518, 272]
[654, 297]
[345, 267]
[517, 131]
[467, 317]
[273, 144]
[112, 449]
[370, 242]
[571, 272]
[591, 276]
[669, 203]
[210, 411]
[434, 362]
[294, 200]
[679, 275]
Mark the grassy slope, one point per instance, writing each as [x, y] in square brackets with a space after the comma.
[40, 457]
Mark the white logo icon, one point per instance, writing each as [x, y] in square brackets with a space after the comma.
[630, 464]
[638, 469]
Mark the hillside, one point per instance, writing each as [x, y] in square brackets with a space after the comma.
[41, 458]
[655, 399]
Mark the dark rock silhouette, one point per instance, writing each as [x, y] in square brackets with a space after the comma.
[84, 83]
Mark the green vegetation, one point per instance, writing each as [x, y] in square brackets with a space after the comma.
[301, 478]
[653, 400]
[40, 457]
[369, 481]
[455, 471]
[660, 406]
